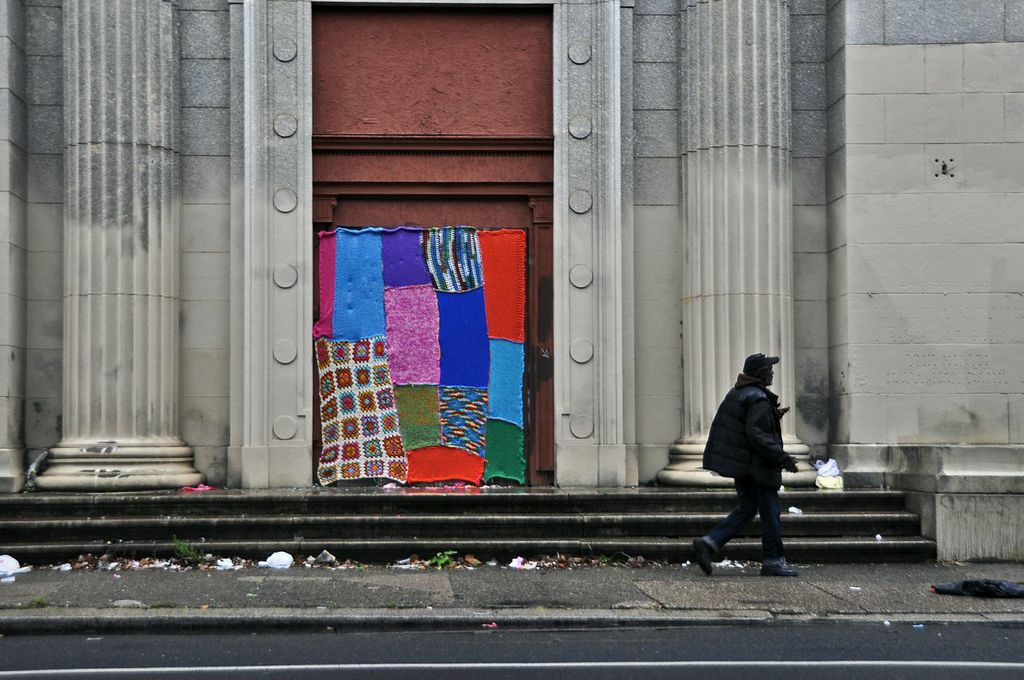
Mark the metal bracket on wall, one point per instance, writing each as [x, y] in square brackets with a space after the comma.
[945, 167]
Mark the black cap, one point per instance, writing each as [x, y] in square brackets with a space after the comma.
[755, 362]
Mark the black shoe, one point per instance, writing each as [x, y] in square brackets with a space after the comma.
[702, 553]
[777, 568]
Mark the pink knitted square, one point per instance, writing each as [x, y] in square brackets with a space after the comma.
[412, 332]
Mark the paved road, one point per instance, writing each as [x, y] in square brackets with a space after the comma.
[869, 651]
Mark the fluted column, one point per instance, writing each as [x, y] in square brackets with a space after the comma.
[738, 279]
[121, 216]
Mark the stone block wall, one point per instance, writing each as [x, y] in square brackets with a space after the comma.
[205, 233]
[808, 52]
[13, 243]
[44, 276]
[926, 193]
[657, 216]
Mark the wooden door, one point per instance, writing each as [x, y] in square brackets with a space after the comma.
[443, 117]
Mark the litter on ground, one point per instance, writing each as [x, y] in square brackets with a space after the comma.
[730, 564]
[325, 558]
[327, 561]
[199, 488]
[981, 588]
[277, 560]
[9, 567]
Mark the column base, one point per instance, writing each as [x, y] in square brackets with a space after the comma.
[686, 460]
[108, 466]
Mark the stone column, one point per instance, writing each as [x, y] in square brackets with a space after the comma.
[121, 221]
[738, 280]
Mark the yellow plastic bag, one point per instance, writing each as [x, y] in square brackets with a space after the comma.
[829, 482]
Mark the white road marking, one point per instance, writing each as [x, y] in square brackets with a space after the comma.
[554, 665]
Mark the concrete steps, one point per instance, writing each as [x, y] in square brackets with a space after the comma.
[569, 525]
[380, 525]
[396, 501]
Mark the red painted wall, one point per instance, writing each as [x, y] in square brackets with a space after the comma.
[432, 72]
[484, 213]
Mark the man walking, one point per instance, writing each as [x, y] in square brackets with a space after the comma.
[745, 443]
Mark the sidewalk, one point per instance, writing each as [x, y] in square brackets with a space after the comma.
[45, 600]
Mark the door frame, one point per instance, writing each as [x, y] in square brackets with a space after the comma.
[271, 242]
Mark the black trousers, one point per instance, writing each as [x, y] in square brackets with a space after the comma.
[753, 499]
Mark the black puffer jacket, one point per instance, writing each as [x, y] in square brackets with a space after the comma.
[746, 435]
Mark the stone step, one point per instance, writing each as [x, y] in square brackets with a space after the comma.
[835, 549]
[572, 525]
[373, 524]
[360, 501]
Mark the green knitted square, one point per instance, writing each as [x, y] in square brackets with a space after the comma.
[505, 457]
[418, 415]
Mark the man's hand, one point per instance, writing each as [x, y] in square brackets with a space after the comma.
[783, 411]
[790, 464]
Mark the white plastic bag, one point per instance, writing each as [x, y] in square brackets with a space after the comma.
[279, 560]
[10, 566]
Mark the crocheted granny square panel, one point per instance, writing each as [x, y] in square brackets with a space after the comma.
[360, 428]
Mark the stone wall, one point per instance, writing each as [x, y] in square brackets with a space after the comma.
[205, 233]
[926, 313]
[926, 189]
[657, 231]
[810, 326]
[44, 73]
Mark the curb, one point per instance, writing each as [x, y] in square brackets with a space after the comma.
[82, 620]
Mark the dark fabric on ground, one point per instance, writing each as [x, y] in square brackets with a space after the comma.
[981, 588]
